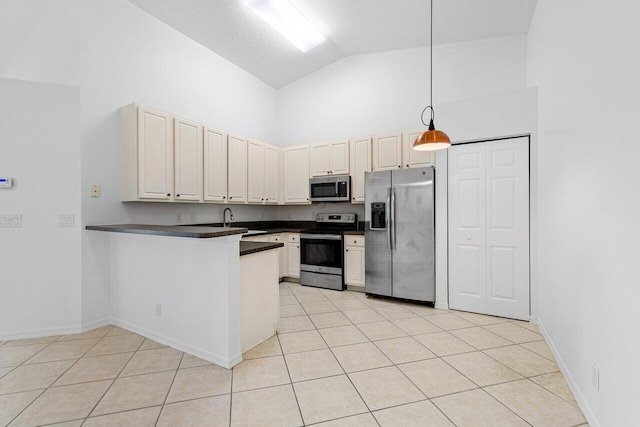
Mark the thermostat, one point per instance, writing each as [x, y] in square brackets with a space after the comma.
[6, 182]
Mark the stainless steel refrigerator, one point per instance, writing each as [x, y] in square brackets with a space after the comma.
[399, 234]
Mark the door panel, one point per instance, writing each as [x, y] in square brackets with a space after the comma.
[412, 235]
[255, 171]
[237, 169]
[271, 174]
[489, 228]
[413, 158]
[387, 152]
[319, 160]
[339, 158]
[155, 155]
[467, 231]
[188, 160]
[360, 159]
[377, 250]
[508, 228]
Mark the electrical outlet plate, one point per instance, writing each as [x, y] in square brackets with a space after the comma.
[179, 218]
[595, 376]
[95, 190]
[11, 221]
[158, 309]
[66, 221]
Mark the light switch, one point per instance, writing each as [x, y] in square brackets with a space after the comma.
[66, 221]
[11, 221]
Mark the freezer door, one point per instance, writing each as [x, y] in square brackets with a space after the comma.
[413, 229]
[377, 232]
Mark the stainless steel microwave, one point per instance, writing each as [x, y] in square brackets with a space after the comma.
[330, 188]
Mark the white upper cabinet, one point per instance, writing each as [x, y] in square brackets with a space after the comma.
[387, 152]
[330, 159]
[147, 154]
[215, 165]
[188, 160]
[296, 174]
[360, 160]
[271, 174]
[255, 171]
[413, 158]
[237, 169]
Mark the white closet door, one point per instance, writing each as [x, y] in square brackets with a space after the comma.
[489, 228]
[467, 231]
[508, 228]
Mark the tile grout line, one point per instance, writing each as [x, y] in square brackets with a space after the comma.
[293, 389]
[231, 398]
[54, 381]
[170, 387]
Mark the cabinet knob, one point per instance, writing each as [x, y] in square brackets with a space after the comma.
[355, 241]
[346, 250]
[399, 166]
[177, 195]
[224, 197]
[168, 194]
[407, 165]
[230, 197]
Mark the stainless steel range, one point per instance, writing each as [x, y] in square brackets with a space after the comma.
[321, 251]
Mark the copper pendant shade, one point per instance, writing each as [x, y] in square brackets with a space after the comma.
[432, 139]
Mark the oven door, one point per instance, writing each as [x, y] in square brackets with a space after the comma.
[321, 253]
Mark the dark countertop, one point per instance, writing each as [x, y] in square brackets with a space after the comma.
[247, 248]
[271, 227]
[197, 232]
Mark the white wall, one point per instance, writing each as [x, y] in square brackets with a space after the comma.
[40, 262]
[385, 92]
[119, 54]
[583, 57]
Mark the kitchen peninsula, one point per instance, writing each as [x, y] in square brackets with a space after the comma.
[183, 286]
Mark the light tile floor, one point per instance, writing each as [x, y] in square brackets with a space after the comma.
[339, 359]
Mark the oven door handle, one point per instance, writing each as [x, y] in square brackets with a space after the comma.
[320, 237]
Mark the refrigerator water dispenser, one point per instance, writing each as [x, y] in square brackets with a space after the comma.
[378, 216]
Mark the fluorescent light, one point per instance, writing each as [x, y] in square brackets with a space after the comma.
[289, 22]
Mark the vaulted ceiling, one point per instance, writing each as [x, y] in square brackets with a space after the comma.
[352, 27]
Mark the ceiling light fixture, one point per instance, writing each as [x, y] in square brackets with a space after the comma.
[284, 17]
[432, 139]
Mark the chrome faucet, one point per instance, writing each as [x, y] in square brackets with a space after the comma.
[224, 217]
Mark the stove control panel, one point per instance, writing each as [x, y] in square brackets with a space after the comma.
[336, 218]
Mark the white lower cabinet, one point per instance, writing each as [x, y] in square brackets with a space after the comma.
[293, 255]
[282, 254]
[354, 260]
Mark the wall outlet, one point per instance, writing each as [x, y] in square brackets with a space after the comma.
[11, 221]
[595, 376]
[66, 220]
[95, 190]
[179, 218]
[192, 217]
[158, 309]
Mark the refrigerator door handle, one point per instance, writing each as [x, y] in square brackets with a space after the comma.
[392, 226]
[387, 215]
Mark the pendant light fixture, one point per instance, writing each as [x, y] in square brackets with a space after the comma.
[432, 139]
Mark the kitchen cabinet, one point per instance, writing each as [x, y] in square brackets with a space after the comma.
[188, 160]
[387, 152]
[296, 174]
[354, 268]
[282, 254]
[262, 173]
[237, 169]
[293, 255]
[255, 172]
[215, 165]
[147, 154]
[413, 158]
[330, 159]
[360, 162]
[271, 174]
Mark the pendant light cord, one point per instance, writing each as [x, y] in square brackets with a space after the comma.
[430, 73]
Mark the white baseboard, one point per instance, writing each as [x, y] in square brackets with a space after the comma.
[441, 305]
[179, 345]
[47, 332]
[582, 402]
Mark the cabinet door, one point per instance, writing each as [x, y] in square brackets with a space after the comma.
[319, 160]
[294, 260]
[155, 155]
[354, 265]
[339, 158]
[270, 174]
[255, 172]
[188, 160]
[296, 174]
[215, 165]
[237, 169]
[360, 160]
[282, 254]
[387, 152]
[413, 158]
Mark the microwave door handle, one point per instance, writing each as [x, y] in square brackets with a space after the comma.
[387, 215]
